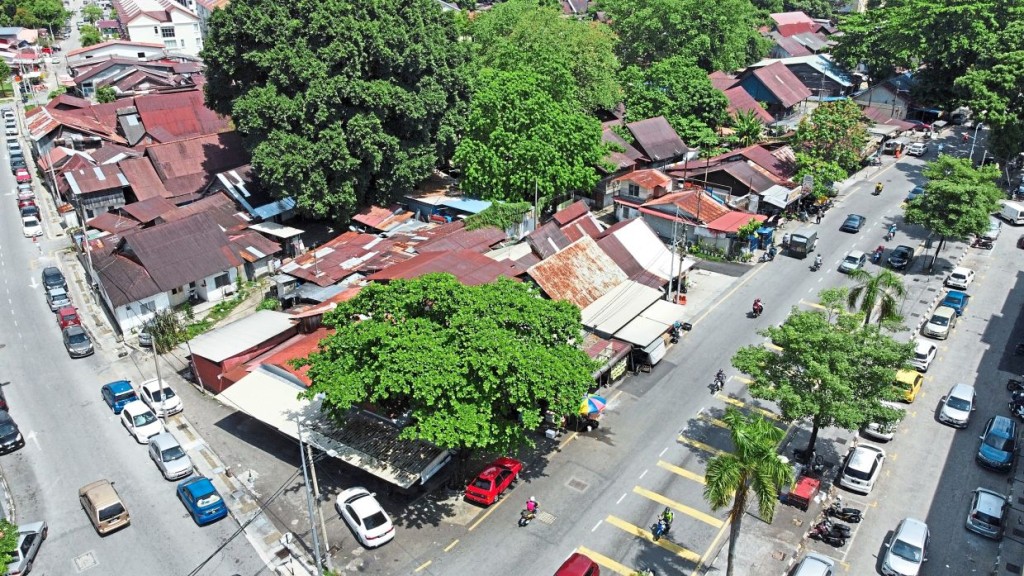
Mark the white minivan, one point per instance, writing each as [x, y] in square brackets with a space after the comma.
[1013, 213]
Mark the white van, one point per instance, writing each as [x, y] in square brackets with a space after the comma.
[1013, 213]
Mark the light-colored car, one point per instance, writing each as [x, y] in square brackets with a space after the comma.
[884, 431]
[905, 551]
[941, 323]
[31, 227]
[917, 149]
[162, 400]
[140, 421]
[169, 456]
[854, 260]
[30, 538]
[815, 564]
[862, 467]
[960, 278]
[924, 353]
[957, 406]
[57, 298]
[104, 507]
[994, 228]
[364, 515]
[987, 515]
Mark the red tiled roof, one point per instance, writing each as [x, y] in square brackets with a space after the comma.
[96, 178]
[880, 115]
[469, 268]
[778, 80]
[479, 240]
[580, 274]
[780, 163]
[187, 167]
[570, 212]
[345, 255]
[789, 23]
[296, 348]
[740, 99]
[649, 179]
[380, 218]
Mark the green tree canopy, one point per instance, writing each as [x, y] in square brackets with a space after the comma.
[717, 34]
[473, 366]
[749, 128]
[679, 90]
[105, 94]
[825, 173]
[834, 373]
[517, 137]
[8, 542]
[344, 103]
[575, 58]
[882, 291]
[753, 465]
[92, 13]
[958, 199]
[834, 132]
[89, 35]
[33, 13]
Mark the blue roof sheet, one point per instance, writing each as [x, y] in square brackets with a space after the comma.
[467, 205]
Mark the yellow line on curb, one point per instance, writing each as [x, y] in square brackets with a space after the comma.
[606, 562]
[452, 545]
[691, 512]
[741, 404]
[682, 472]
[699, 445]
[489, 511]
[714, 545]
[423, 566]
[646, 535]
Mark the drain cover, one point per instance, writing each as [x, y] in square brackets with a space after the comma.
[85, 561]
[578, 485]
[546, 517]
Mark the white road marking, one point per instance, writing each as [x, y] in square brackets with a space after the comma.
[642, 475]
[662, 453]
[621, 498]
[596, 525]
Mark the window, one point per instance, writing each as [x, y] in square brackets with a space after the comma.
[634, 190]
[148, 307]
[167, 31]
[222, 280]
[177, 290]
[170, 43]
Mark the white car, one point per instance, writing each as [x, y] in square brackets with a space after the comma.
[854, 260]
[161, 400]
[363, 514]
[905, 551]
[31, 227]
[958, 405]
[994, 227]
[940, 324]
[924, 353]
[917, 149]
[960, 278]
[862, 467]
[140, 421]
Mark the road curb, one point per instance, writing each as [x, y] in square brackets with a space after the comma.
[10, 513]
[956, 262]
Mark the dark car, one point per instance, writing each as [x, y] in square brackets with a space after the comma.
[998, 444]
[901, 257]
[10, 437]
[17, 164]
[852, 224]
[53, 278]
[202, 500]
[77, 342]
[917, 191]
[118, 393]
[31, 210]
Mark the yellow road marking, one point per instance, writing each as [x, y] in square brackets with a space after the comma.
[813, 305]
[741, 404]
[699, 445]
[423, 566]
[606, 562]
[712, 421]
[705, 518]
[742, 379]
[714, 544]
[490, 510]
[646, 535]
[567, 440]
[452, 545]
[681, 472]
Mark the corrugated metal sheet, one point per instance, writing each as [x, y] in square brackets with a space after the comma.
[469, 267]
[581, 273]
[657, 139]
[222, 343]
[148, 210]
[176, 253]
[741, 100]
[179, 116]
[479, 240]
[548, 240]
[778, 80]
[618, 307]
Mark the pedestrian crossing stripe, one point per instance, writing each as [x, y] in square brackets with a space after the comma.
[691, 512]
[681, 472]
[646, 535]
[606, 562]
[741, 404]
[699, 445]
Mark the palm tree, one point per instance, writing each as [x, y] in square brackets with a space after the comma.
[754, 464]
[748, 127]
[882, 291]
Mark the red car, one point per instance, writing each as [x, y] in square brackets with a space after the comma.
[487, 487]
[68, 316]
[25, 202]
[22, 175]
[578, 565]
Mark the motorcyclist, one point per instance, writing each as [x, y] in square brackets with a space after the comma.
[720, 377]
[817, 261]
[758, 307]
[531, 505]
[878, 188]
[667, 516]
[892, 231]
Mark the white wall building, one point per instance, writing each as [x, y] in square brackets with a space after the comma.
[163, 22]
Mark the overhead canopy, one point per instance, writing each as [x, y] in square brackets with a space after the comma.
[651, 323]
[240, 335]
[776, 196]
[617, 307]
[275, 229]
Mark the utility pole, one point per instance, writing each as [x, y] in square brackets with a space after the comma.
[319, 508]
[309, 502]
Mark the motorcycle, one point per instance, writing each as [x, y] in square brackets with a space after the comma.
[659, 529]
[673, 332]
[526, 516]
[983, 243]
[825, 536]
[876, 256]
[767, 257]
[834, 528]
[878, 190]
[1016, 410]
[757, 309]
[1013, 385]
[718, 384]
[890, 234]
[816, 266]
[837, 510]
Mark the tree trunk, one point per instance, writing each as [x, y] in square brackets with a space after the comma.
[938, 248]
[814, 438]
[739, 505]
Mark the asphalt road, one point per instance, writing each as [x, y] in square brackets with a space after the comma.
[73, 439]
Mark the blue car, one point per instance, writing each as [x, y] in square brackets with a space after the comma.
[118, 393]
[998, 444]
[917, 191]
[956, 300]
[202, 500]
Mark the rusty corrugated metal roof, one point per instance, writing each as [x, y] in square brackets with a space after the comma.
[581, 273]
[469, 267]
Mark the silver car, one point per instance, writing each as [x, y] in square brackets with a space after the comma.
[169, 456]
[905, 551]
[957, 406]
[57, 298]
[941, 323]
[815, 564]
[30, 538]
[988, 513]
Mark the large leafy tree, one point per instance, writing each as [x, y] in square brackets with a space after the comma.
[33, 13]
[814, 8]
[89, 35]
[474, 366]
[831, 372]
[679, 90]
[752, 466]
[958, 199]
[834, 132]
[8, 542]
[824, 173]
[344, 103]
[576, 59]
[520, 140]
[882, 291]
[717, 34]
[748, 128]
[92, 13]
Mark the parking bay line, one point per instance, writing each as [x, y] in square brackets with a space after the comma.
[691, 512]
[700, 446]
[741, 404]
[606, 562]
[712, 420]
[681, 472]
[639, 532]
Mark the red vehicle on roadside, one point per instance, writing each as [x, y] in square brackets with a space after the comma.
[23, 202]
[487, 487]
[22, 175]
[578, 565]
[68, 316]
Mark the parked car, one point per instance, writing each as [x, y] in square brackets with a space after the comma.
[104, 507]
[854, 260]
[489, 484]
[30, 211]
[17, 165]
[57, 298]
[22, 175]
[905, 551]
[365, 517]
[3, 401]
[10, 436]
[53, 278]
[917, 149]
[815, 564]
[118, 393]
[994, 228]
[862, 467]
[957, 406]
[915, 192]
[908, 383]
[201, 499]
[941, 323]
[987, 515]
[31, 227]
[998, 444]
[77, 341]
[924, 353]
[169, 456]
[30, 539]
[68, 316]
[26, 202]
[578, 565]
[146, 335]
[852, 224]
[960, 278]
[160, 398]
[884, 429]
[140, 421]
[956, 300]
[901, 257]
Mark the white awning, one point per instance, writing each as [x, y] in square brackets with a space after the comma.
[665, 312]
[237, 337]
[776, 196]
[641, 331]
[617, 307]
[275, 229]
[272, 401]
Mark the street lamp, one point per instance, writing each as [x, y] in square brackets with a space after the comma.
[975, 139]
